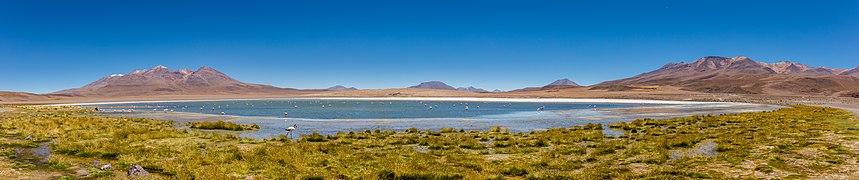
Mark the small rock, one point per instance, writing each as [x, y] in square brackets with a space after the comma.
[106, 167]
[29, 138]
[137, 170]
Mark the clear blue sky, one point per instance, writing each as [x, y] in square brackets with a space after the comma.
[47, 46]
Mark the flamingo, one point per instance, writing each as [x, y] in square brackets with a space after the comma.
[290, 129]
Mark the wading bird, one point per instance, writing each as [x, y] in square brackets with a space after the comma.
[290, 129]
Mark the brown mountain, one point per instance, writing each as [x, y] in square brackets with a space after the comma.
[560, 83]
[715, 74]
[433, 85]
[162, 81]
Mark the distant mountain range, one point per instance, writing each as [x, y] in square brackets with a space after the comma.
[340, 88]
[711, 74]
[162, 81]
[560, 83]
[443, 86]
[716, 74]
[471, 89]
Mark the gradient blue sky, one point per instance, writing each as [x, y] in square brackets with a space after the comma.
[47, 46]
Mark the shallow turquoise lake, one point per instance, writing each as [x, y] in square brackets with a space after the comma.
[332, 115]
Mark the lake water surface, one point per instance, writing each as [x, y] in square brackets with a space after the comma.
[332, 115]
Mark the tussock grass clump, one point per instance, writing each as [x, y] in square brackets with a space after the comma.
[314, 137]
[222, 125]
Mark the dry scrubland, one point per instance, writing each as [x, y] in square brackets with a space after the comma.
[798, 142]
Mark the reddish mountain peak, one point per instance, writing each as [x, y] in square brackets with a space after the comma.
[742, 75]
[786, 67]
[740, 58]
[671, 65]
[206, 68]
[789, 63]
[159, 68]
[161, 80]
[158, 71]
[744, 64]
[711, 60]
[209, 71]
[709, 63]
[720, 63]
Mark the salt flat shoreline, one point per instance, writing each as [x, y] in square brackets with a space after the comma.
[462, 99]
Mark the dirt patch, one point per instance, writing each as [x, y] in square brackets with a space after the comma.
[496, 157]
[639, 168]
[421, 149]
